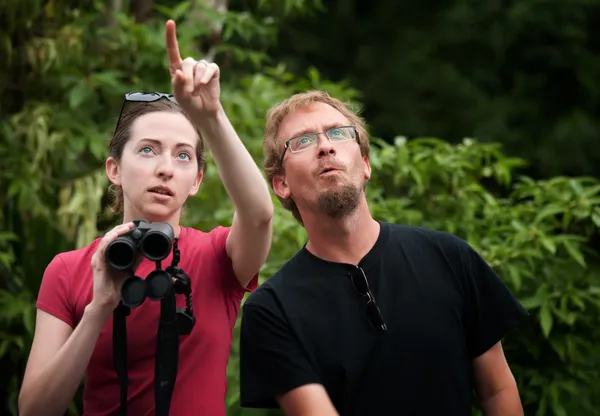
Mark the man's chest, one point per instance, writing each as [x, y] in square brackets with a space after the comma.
[423, 311]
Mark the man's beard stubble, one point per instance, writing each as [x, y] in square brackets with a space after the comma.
[341, 202]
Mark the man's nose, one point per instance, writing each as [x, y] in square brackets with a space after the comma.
[324, 146]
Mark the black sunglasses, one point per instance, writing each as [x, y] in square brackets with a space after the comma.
[361, 285]
[143, 97]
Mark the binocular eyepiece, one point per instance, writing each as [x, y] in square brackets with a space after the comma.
[152, 240]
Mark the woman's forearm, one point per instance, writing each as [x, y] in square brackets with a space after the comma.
[241, 176]
[51, 391]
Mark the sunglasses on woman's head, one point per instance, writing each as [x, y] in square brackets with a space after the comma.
[143, 97]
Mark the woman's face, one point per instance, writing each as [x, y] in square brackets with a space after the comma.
[158, 169]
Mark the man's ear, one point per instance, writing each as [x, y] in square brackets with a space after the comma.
[197, 183]
[112, 171]
[280, 186]
[367, 167]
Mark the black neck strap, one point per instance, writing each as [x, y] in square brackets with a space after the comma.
[167, 354]
[120, 351]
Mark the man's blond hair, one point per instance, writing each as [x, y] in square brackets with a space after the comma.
[273, 150]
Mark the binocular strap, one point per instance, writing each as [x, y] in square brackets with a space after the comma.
[167, 354]
[120, 352]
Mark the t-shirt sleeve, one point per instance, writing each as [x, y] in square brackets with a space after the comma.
[272, 361]
[491, 309]
[53, 296]
[220, 246]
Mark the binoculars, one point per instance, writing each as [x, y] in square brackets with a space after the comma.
[151, 240]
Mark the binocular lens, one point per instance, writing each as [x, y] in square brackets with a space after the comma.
[156, 246]
[157, 284]
[133, 292]
[120, 254]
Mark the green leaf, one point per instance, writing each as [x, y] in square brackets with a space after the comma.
[515, 276]
[548, 211]
[534, 302]
[180, 10]
[558, 346]
[575, 185]
[591, 191]
[596, 219]
[575, 253]
[548, 244]
[577, 301]
[546, 320]
[78, 95]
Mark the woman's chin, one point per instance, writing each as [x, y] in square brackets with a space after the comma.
[159, 214]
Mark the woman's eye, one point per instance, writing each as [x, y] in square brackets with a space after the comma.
[146, 150]
[184, 156]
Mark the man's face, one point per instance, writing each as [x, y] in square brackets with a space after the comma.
[158, 169]
[329, 177]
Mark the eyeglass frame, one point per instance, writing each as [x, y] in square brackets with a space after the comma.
[138, 97]
[370, 301]
[317, 134]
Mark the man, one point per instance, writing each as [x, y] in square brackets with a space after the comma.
[368, 318]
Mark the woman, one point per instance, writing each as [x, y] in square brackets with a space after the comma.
[156, 162]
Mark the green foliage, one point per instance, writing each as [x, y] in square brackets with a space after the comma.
[520, 72]
[541, 236]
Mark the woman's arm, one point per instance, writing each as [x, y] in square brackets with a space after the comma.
[196, 86]
[57, 361]
[249, 240]
[60, 355]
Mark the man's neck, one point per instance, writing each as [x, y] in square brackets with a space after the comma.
[344, 240]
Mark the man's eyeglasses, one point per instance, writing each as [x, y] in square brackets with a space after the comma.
[306, 141]
[143, 96]
[361, 285]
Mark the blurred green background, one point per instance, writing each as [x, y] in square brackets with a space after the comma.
[484, 117]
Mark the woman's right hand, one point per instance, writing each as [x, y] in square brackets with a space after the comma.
[107, 281]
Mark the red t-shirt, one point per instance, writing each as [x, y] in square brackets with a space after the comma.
[201, 384]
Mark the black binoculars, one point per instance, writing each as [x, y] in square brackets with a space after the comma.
[152, 240]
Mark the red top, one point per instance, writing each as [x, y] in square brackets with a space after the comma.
[201, 384]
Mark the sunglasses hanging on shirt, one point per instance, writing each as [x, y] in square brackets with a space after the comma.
[361, 285]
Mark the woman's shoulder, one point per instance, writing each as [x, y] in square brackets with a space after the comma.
[73, 258]
[191, 235]
[207, 244]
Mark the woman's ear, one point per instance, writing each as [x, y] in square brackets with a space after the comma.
[197, 183]
[112, 171]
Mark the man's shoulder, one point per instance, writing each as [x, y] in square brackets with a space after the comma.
[405, 230]
[424, 235]
[275, 286]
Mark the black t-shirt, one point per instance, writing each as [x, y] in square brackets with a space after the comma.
[442, 304]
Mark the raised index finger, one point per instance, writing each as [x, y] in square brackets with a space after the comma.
[172, 46]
